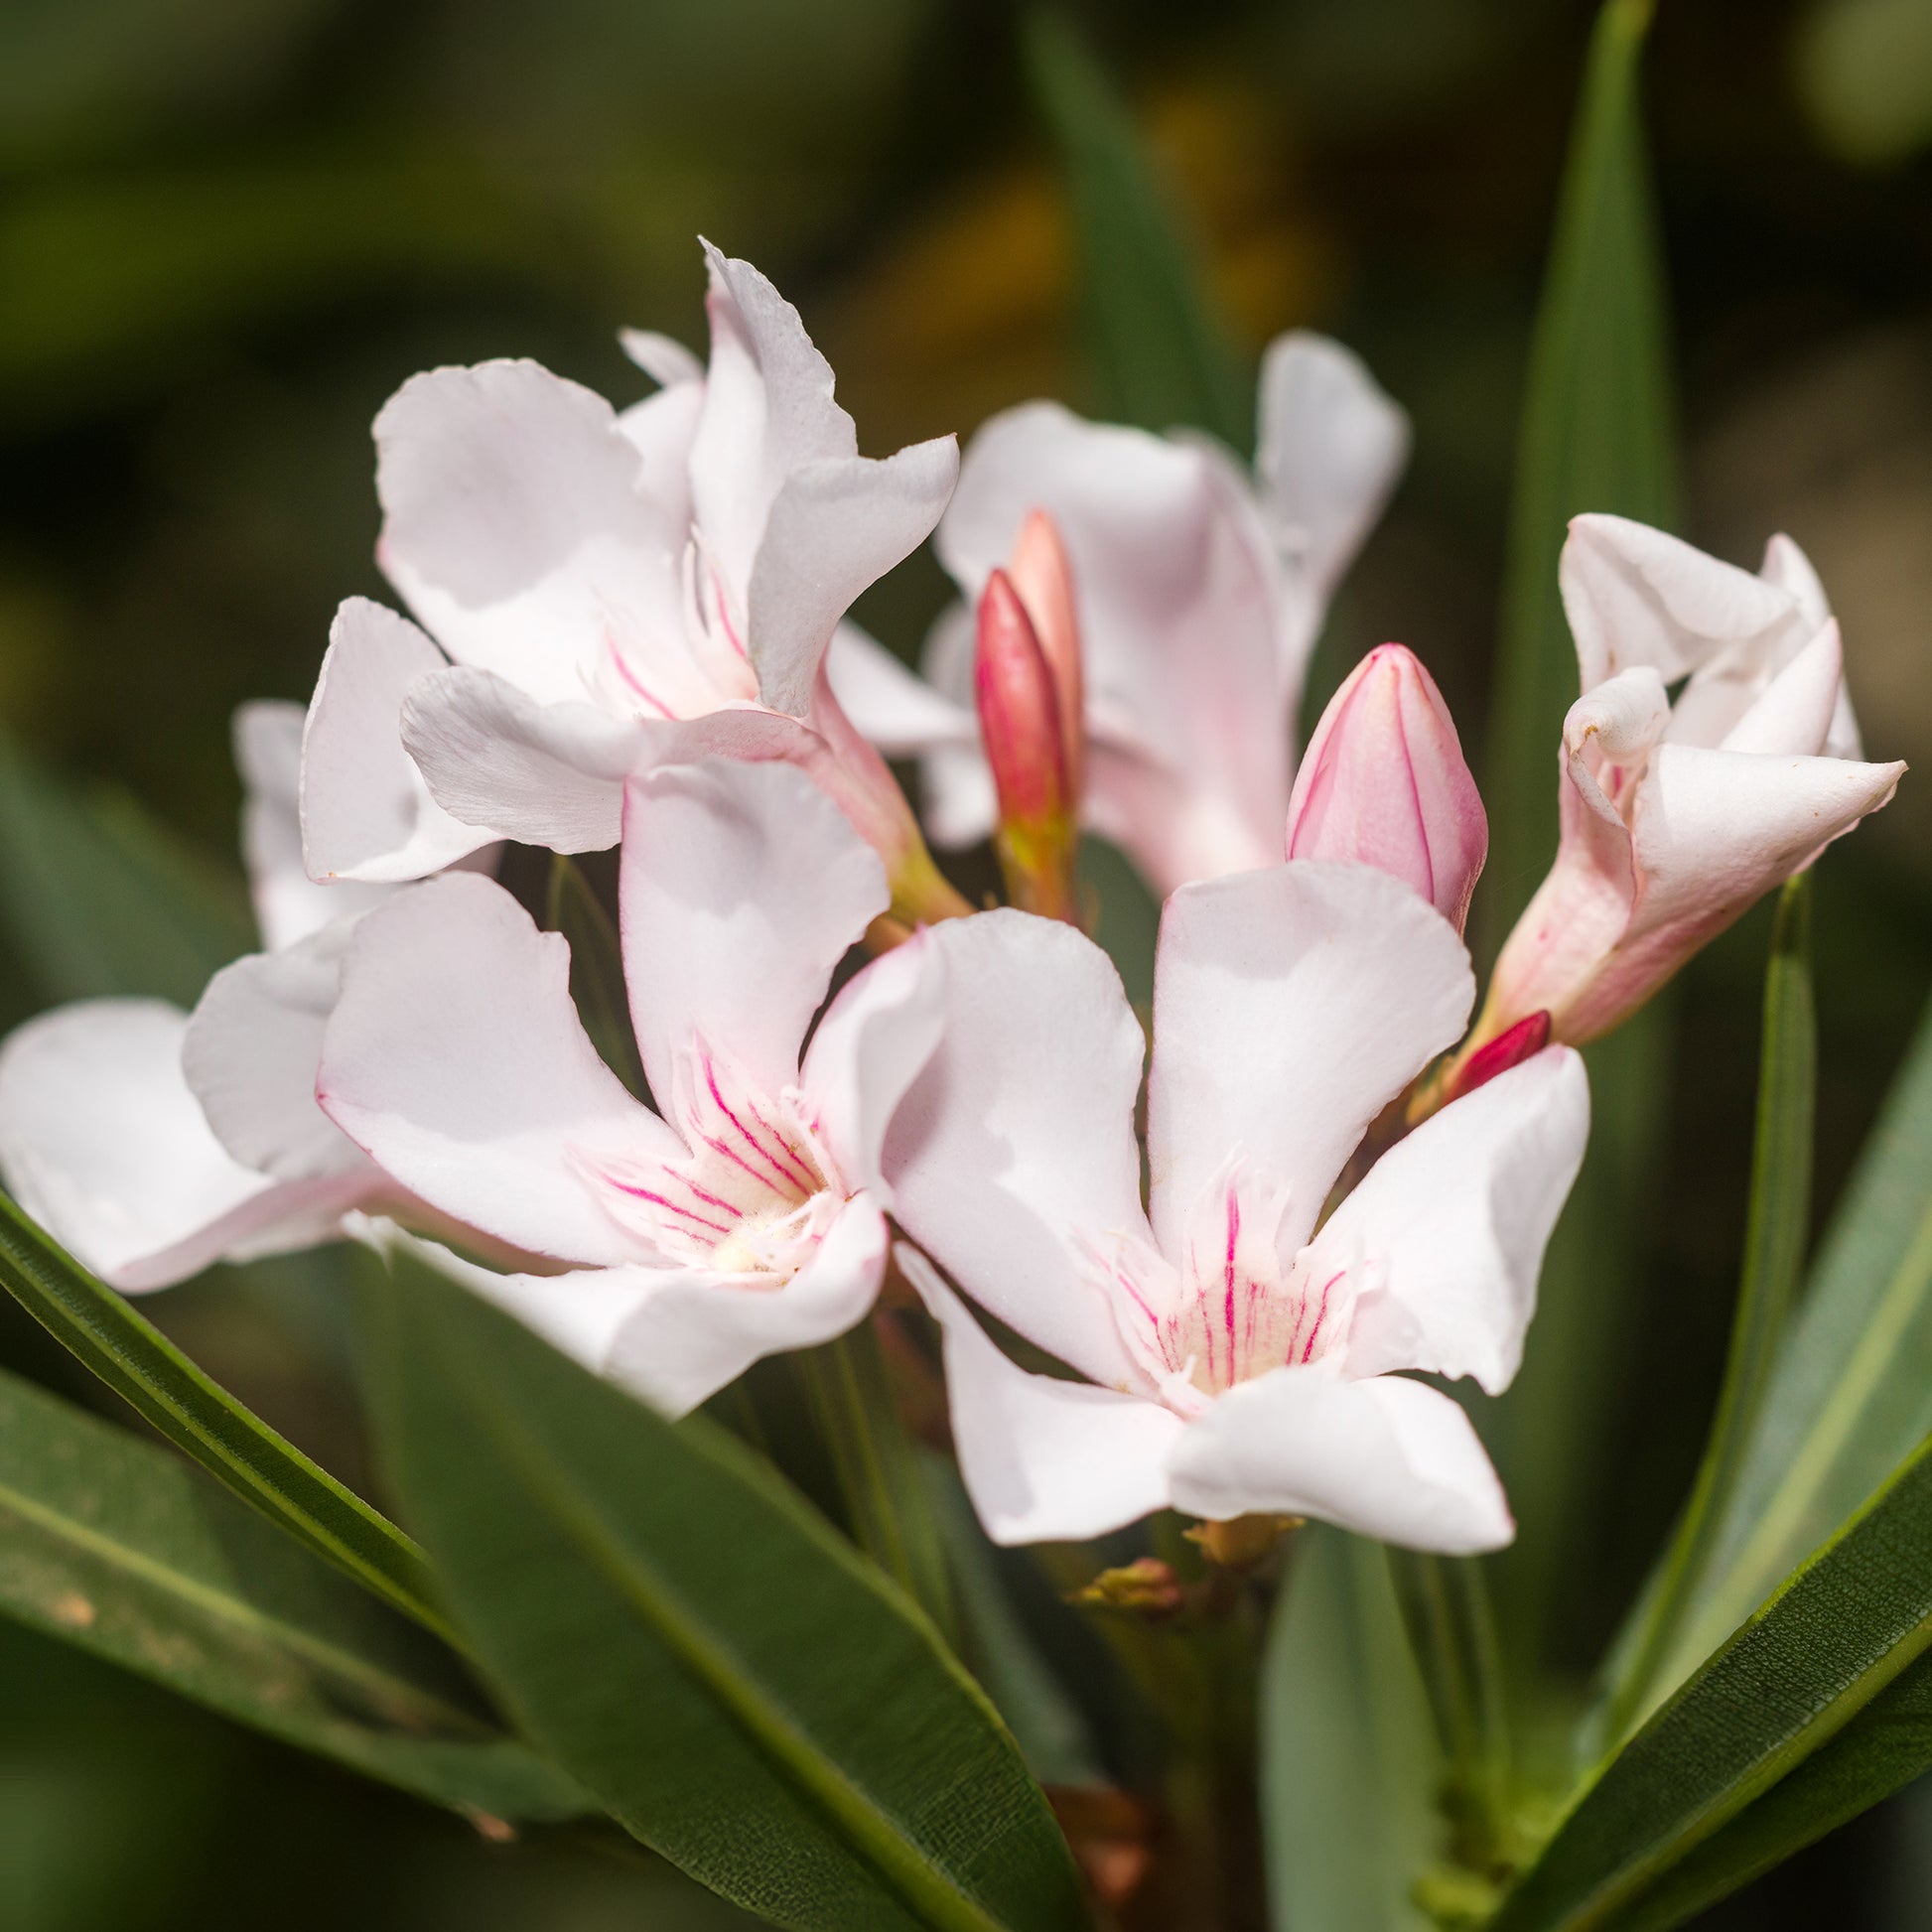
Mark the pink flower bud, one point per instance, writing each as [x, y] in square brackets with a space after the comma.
[1040, 572]
[1384, 783]
[1025, 745]
[1522, 1041]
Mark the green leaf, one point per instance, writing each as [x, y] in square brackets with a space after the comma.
[119, 1547]
[1843, 1629]
[1777, 1226]
[1348, 1756]
[142, 1367]
[97, 898]
[738, 1687]
[1161, 356]
[1852, 1394]
[1597, 434]
[596, 970]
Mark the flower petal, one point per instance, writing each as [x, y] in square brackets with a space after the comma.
[874, 1041]
[741, 887]
[1445, 1234]
[366, 812]
[1796, 709]
[103, 1142]
[896, 708]
[1015, 1143]
[457, 1059]
[522, 530]
[834, 528]
[1290, 1006]
[1330, 446]
[251, 1052]
[1385, 1457]
[1043, 1460]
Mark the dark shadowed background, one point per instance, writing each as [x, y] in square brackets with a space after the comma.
[229, 228]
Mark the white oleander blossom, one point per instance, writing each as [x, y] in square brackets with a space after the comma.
[1240, 1352]
[743, 1215]
[1679, 812]
[601, 593]
[152, 1142]
[1200, 588]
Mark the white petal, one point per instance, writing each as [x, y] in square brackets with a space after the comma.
[521, 528]
[1290, 1006]
[289, 905]
[1385, 1457]
[693, 1332]
[1330, 445]
[742, 887]
[1795, 711]
[366, 812]
[251, 1053]
[834, 528]
[874, 1041]
[1017, 1142]
[896, 708]
[1445, 1234]
[1043, 1460]
[548, 775]
[457, 1059]
[957, 799]
[103, 1142]
[663, 358]
[1638, 596]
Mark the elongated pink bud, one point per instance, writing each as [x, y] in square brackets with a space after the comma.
[1384, 783]
[1043, 577]
[1025, 745]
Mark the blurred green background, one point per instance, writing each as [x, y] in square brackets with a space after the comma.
[228, 228]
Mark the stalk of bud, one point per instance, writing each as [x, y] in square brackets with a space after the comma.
[1384, 783]
[1027, 746]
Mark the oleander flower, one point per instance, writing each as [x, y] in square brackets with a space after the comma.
[1238, 1353]
[602, 593]
[1679, 813]
[1200, 588]
[742, 1216]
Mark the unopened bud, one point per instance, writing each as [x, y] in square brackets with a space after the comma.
[1040, 572]
[1384, 783]
[1025, 745]
[1147, 1587]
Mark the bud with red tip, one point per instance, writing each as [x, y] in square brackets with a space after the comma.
[1384, 783]
[1026, 681]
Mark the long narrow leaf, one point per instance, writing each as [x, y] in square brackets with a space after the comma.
[115, 1545]
[142, 1367]
[1852, 1390]
[1843, 1629]
[692, 1643]
[1596, 435]
[1161, 356]
[1348, 1758]
[1777, 1226]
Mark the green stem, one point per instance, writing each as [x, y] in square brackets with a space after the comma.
[1777, 1224]
[876, 1464]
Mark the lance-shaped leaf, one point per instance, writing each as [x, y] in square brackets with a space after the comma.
[692, 1643]
[1841, 1630]
[1597, 434]
[1161, 356]
[118, 1546]
[1777, 1226]
[1349, 1762]
[142, 1367]
[1852, 1394]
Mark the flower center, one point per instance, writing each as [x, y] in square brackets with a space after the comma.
[1233, 1308]
[753, 1197]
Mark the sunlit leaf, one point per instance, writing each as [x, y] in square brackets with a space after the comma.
[142, 1367]
[1596, 435]
[115, 1545]
[1348, 1756]
[596, 969]
[1843, 1631]
[1161, 356]
[696, 1646]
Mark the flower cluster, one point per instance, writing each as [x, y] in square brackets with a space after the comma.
[631, 631]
